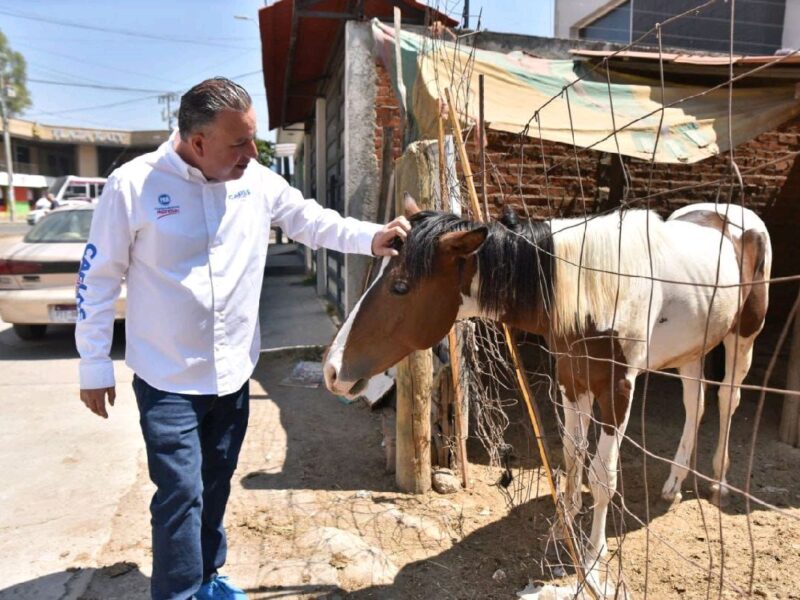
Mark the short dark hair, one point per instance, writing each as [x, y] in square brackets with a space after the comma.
[200, 105]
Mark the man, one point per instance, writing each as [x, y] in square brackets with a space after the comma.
[45, 202]
[188, 227]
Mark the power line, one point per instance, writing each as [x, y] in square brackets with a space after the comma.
[94, 86]
[98, 106]
[163, 38]
[155, 93]
[116, 69]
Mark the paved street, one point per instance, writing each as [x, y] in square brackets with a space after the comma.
[65, 469]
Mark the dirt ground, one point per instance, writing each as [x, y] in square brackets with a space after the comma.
[313, 514]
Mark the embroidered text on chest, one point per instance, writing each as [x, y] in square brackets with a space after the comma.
[239, 194]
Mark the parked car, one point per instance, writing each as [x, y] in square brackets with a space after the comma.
[38, 275]
[34, 215]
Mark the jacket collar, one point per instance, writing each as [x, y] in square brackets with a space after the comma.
[176, 164]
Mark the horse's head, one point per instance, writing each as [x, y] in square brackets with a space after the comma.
[411, 304]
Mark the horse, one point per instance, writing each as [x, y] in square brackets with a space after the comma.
[612, 296]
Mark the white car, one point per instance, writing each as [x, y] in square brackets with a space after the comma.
[38, 275]
[35, 215]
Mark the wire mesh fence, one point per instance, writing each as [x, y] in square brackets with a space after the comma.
[672, 517]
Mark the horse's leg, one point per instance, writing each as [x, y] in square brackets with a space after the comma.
[693, 405]
[729, 395]
[604, 467]
[575, 440]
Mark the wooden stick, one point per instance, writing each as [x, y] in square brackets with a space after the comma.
[455, 355]
[443, 191]
[566, 523]
[482, 147]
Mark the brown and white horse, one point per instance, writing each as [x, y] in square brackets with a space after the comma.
[611, 295]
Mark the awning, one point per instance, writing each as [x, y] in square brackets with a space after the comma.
[23, 180]
[524, 94]
[298, 38]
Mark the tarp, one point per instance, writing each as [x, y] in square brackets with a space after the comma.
[519, 87]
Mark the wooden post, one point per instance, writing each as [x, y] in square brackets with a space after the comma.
[790, 418]
[414, 381]
[564, 520]
[414, 378]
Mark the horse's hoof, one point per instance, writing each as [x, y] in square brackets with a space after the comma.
[672, 499]
[719, 496]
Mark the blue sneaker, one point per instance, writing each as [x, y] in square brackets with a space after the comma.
[220, 588]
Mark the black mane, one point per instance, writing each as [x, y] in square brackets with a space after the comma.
[515, 261]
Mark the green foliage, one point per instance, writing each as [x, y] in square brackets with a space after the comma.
[266, 152]
[13, 68]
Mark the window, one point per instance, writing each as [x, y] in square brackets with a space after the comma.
[22, 154]
[76, 190]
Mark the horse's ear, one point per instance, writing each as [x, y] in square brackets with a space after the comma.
[463, 243]
[410, 205]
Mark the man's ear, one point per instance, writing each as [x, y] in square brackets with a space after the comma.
[410, 205]
[463, 243]
[198, 143]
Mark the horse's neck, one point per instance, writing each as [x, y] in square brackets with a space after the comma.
[528, 318]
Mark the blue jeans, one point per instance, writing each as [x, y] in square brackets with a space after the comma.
[193, 445]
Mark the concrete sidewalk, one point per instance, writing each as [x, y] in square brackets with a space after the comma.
[291, 313]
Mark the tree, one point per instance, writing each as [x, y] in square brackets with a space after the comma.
[266, 152]
[14, 73]
[14, 98]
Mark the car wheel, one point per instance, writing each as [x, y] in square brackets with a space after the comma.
[30, 332]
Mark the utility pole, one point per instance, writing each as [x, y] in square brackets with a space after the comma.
[465, 16]
[4, 93]
[167, 114]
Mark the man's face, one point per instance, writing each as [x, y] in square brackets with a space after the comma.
[225, 147]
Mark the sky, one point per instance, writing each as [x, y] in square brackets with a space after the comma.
[152, 47]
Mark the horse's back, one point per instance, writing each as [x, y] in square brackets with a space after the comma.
[739, 217]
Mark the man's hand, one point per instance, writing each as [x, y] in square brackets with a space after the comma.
[95, 400]
[382, 242]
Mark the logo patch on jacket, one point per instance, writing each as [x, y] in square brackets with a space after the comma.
[165, 209]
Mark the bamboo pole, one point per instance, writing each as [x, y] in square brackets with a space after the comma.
[565, 522]
[452, 338]
[482, 145]
[443, 191]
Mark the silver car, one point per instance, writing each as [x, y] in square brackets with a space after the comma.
[38, 275]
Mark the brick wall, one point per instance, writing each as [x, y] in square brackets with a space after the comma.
[583, 181]
[387, 114]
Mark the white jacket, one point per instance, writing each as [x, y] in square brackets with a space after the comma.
[192, 253]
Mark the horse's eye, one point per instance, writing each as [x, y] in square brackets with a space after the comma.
[400, 288]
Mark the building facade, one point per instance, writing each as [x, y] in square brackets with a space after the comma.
[761, 26]
[41, 153]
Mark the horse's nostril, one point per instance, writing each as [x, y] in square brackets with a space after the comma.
[330, 374]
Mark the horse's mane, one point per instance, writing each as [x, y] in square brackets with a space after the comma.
[514, 263]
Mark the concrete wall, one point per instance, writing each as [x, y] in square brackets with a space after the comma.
[361, 168]
[567, 12]
[791, 25]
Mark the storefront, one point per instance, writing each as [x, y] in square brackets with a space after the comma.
[41, 153]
